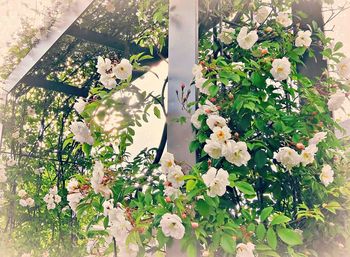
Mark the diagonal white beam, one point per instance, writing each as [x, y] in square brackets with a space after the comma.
[45, 44]
[183, 53]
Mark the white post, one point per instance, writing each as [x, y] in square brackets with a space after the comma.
[183, 54]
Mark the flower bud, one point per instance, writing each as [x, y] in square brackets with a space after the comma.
[194, 225]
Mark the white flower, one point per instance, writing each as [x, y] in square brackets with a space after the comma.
[123, 70]
[303, 39]
[107, 207]
[280, 69]
[209, 107]
[23, 203]
[128, 250]
[247, 40]
[216, 181]
[262, 14]
[119, 226]
[199, 84]
[245, 250]
[194, 118]
[167, 161]
[53, 190]
[336, 101]
[171, 225]
[104, 66]
[51, 205]
[270, 82]
[72, 185]
[221, 134]
[327, 175]
[74, 199]
[288, 157]
[236, 153]
[22, 193]
[175, 176]
[284, 20]
[308, 155]
[97, 180]
[317, 138]
[197, 71]
[79, 105]
[26, 255]
[172, 192]
[81, 132]
[226, 35]
[238, 65]
[108, 82]
[57, 199]
[216, 121]
[30, 202]
[213, 149]
[343, 68]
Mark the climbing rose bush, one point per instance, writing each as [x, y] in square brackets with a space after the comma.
[270, 177]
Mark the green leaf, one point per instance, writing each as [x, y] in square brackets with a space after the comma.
[194, 146]
[280, 219]
[190, 185]
[156, 112]
[257, 80]
[337, 46]
[213, 90]
[203, 208]
[271, 238]
[227, 243]
[260, 159]
[260, 231]
[245, 187]
[86, 149]
[289, 236]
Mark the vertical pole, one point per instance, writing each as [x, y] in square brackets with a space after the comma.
[183, 53]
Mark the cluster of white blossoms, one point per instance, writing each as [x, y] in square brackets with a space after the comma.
[174, 175]
[343, 68]
[220, 143]
[98, 180]
[119, 228]
[3, 176]
[199, 79]
[336, 101]
[289, 158]
[216, 181]
[109, 71]
[246, 39]
[281, 68]
[52, 198]
[79, 105]
[74, 195]
[245, 250]
[303, 39]
[226, 35]
[81, 132]
[172, 226]
[25, 201]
